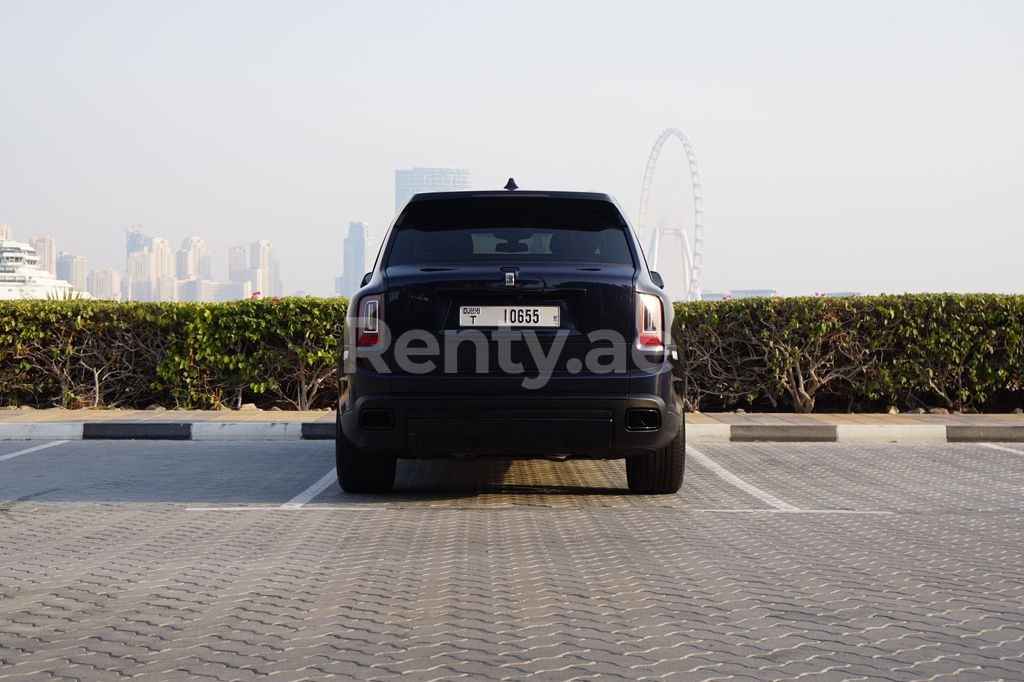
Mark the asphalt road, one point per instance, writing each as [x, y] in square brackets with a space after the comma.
[243, 560]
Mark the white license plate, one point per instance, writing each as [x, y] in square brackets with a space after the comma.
[509, 316]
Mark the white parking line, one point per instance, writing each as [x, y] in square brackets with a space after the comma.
[35, 448]
[738, 482]
[790, 511]
[264, 508]
[297, 502]
[993, 446]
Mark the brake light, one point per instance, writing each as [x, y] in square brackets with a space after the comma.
[368, 323]
[650, 326]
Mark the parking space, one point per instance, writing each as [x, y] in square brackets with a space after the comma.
[243, 560]
[905, 478]
[165, 472]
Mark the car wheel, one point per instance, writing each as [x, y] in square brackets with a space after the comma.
[361, 471]
[660, 473]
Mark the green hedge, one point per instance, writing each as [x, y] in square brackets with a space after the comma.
[962, 352]
[190, 355]
[868, 353]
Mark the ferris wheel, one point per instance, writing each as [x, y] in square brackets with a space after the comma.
[692, 246]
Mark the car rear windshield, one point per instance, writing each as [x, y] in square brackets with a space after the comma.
[511, 229]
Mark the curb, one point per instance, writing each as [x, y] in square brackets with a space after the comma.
[201, 431]
[697, 433]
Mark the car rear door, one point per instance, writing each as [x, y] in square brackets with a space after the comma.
[512, 281]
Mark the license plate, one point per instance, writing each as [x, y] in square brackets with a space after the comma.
[508, 316]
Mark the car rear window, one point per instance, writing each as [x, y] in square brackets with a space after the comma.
[510, 229]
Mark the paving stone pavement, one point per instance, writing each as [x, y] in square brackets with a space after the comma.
[173, 560]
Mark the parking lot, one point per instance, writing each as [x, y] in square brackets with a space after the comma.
[238, 560]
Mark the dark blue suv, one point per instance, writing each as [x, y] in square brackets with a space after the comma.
[510, 324]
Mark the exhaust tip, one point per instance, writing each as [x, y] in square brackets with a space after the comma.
[643, 419]
[377, 419]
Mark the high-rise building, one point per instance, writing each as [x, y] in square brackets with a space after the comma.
[46, 248]
[73, 269]
[238, 264]
[136, 240]
[354, 258]
[140, 267]
[149, 268]
[140, 273]
[6, 233]
[165, 289]
[105, 284]
[261, 254]
[193, 259]
[276, 288]
[411, 181]
[261, 263]
[207, 290]
[163, 257]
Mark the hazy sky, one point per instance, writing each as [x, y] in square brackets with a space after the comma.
[855, 145]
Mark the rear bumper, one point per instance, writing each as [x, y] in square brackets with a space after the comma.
[590, 426]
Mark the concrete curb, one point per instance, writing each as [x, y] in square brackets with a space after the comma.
[892, 433]
[201, 431]
[696, 433]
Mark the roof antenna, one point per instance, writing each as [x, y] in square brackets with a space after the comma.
[511, 185]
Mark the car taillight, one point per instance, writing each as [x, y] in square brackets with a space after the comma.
[650, 326]
[368, 322]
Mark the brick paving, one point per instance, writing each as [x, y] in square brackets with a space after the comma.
[508, 570]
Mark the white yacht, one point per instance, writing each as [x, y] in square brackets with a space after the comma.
[21, 277]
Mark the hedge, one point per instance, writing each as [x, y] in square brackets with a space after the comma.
[961, 352]
[189, 355]
[868, 353]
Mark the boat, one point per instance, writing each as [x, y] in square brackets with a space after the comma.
[22, 278]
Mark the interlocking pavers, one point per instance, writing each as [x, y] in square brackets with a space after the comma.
[497, 570]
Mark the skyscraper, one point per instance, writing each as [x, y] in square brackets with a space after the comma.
[238, 264]
[193, 259]
[411, 181]
[354, 258]
[276, 288]
[139, 277]
[6, 233]
[149, 267]
[138, 285]
[134, 241]
[105, 284]
[46, 248]
[261, 263]
[73, 269]
[208, 290]
[163, 257]
[166, 289]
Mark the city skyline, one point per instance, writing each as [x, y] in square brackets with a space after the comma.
[149, 275]
[872, 147]
[152, 272]
[355, 258]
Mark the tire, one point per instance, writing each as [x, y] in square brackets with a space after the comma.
[362, 471]
[662, 472]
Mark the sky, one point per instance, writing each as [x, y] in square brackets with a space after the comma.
[865, 146]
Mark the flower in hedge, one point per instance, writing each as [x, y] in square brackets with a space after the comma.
[256, 294]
